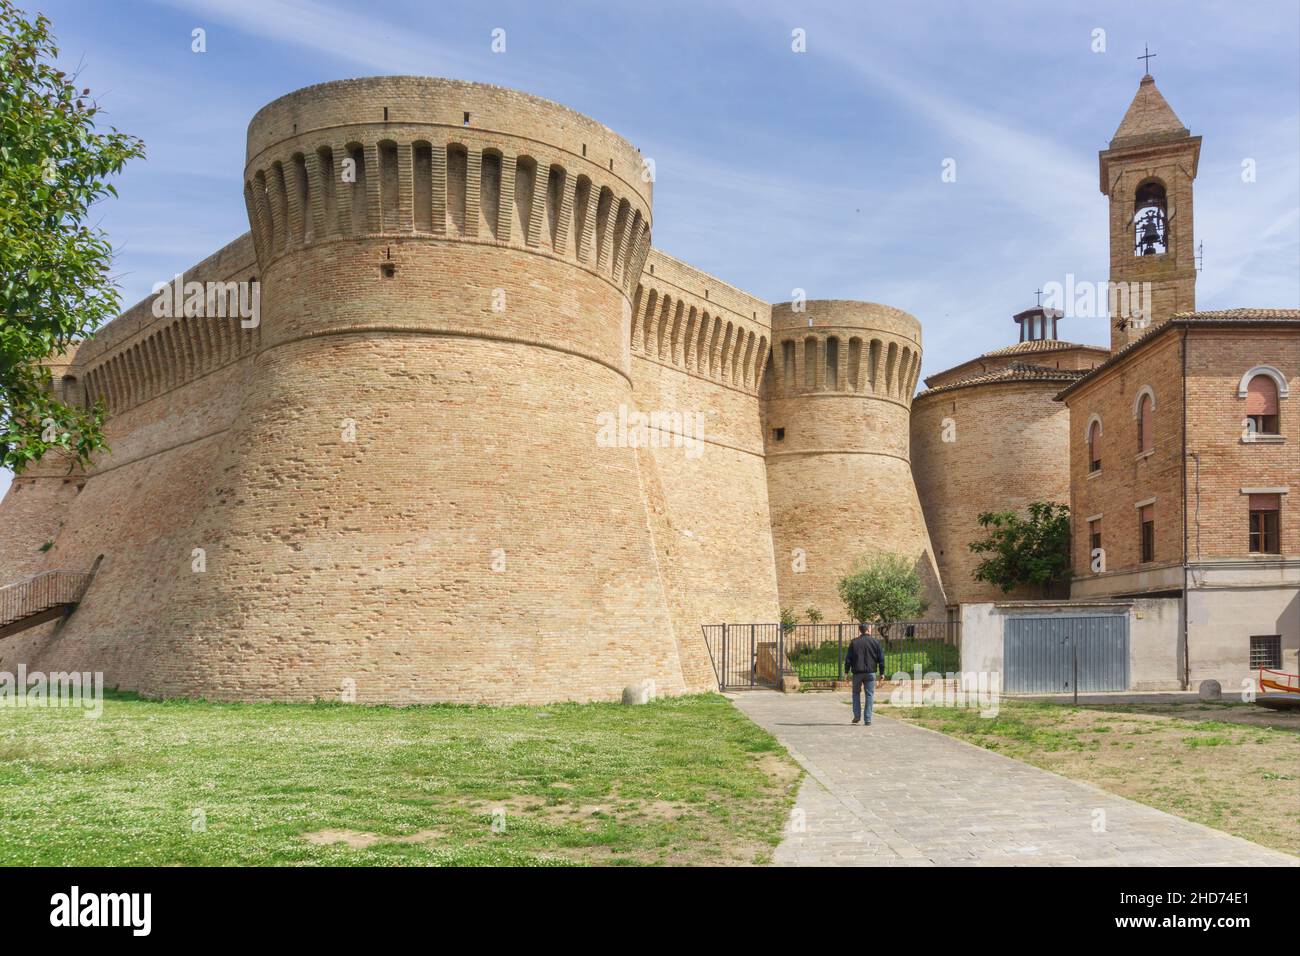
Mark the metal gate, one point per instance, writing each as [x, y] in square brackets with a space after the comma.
[745, 655]
[772, 655]
[1047, 654]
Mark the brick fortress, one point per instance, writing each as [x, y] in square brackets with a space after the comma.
[401, 480]
[485, 443]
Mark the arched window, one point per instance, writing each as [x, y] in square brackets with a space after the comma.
[1262, 405]
[1144, 414]
[1093, 434]
[1150, 219]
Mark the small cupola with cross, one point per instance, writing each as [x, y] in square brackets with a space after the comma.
[1038, 324]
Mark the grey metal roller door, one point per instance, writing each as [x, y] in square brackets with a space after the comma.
[1038, 653]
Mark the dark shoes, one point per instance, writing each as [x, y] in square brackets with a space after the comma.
[856, 719]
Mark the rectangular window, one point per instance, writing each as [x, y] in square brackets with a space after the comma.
[1266, 651]
[1265, 524]
[1263, 424]
[778, 434]
[1147, 522]
[1094, 535]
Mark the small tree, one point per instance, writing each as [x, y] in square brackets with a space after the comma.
[788, 620]
[882, 590]
[1029, 552]
[54, 283]
[814, 616]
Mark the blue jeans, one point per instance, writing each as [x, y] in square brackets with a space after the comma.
[860, 681]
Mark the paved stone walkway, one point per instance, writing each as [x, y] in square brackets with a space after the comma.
[894, 794]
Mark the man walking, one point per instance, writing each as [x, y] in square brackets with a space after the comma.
[865, 658]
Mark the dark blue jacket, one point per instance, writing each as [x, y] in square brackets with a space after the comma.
[865, 655]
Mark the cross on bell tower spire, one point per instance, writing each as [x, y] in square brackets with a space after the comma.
[1147, 55]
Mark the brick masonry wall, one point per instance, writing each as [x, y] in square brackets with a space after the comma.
[1216, 361]
[1126, 476]
[840, 480]
[1010, 448]
[698, 350]
[135, 509]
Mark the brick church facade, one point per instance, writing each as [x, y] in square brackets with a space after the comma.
[1176, 448]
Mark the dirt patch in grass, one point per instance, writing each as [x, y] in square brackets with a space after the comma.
[355, 840]
[1235, 775]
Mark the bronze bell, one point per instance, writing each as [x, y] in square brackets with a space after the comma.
[1150, 236]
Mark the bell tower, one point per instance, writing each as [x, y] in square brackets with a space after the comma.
[1147, 173]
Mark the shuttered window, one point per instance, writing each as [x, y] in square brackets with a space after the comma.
[1261, 405]
[1146, 425]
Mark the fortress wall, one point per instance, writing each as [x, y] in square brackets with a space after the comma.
[135, 508]
[836, 408]
[133, 361]
[708, 502]
[32, 513]
[139, 356]
[398, 477]
[1011, 448]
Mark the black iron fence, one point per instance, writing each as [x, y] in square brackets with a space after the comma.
[765, 655]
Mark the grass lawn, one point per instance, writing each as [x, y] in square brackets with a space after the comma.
[1231, 766]
[826, 661]
[688, 780]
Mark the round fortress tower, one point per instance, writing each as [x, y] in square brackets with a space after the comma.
[836, 410]
[412, 501]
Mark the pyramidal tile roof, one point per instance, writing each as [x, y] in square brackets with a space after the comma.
[1149, 118]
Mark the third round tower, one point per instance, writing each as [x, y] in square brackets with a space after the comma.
[836, 408]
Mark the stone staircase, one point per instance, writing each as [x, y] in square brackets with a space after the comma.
[40, 598]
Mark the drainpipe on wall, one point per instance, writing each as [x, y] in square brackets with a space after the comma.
[1187, 656]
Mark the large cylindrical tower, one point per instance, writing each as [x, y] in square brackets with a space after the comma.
[839, 478]
[413, 502]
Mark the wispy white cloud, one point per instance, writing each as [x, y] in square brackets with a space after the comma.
[357, 33]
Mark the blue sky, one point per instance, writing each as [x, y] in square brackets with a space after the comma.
[775, 170]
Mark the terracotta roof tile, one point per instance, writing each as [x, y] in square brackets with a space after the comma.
[1016, 372]
[1040, 345]
[1260, 317]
